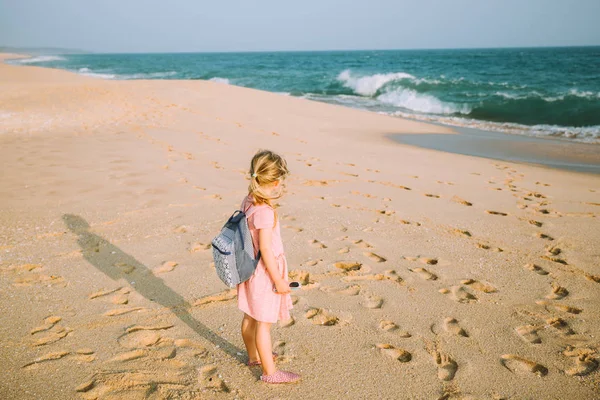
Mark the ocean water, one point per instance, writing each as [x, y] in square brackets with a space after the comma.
[552, 92]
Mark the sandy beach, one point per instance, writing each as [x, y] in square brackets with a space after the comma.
[427, 275]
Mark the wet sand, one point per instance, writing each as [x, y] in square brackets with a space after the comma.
[554, 153]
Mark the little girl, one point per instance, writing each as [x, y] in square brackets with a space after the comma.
[264, 298]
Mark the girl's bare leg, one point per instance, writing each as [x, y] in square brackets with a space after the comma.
[264, 347]
[249, 336]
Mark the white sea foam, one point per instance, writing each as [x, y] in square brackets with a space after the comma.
[88, 72]
[106, 75]
[584, 93]
[370, 84]
[590, 134]
[149, 75]
[220, 80]
[39, 59]
[425, 103]
[511, 96]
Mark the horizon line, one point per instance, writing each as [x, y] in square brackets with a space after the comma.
[81, 51]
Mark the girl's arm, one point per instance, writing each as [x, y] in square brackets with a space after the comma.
[266, 253]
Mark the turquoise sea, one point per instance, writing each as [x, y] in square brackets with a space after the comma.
[551, 92]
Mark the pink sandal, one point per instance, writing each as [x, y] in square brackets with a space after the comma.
[280, 377]
[257, 363]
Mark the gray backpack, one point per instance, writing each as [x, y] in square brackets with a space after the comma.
[233, 251]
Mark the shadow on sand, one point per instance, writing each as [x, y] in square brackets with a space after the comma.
[117, 265]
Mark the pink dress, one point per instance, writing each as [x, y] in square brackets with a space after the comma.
[256, 296]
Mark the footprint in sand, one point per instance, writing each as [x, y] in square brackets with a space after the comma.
[137, 381]
[197, 349]
[312, 263]
[424, 274]
[124, 267]
[318, 316]
[461, 232]
[558, 292]
[165, 267]
[560, 325]
[372, 302]
[428, 261]
[210, 378]
[317, 244]
[479, 286]
[553, 250]
[395, 353]
[348, 266]
[593, 278]
[102, 293]
[446, 366]
[197, 246]
[128, 356]
[49, 323]
[554, 259]
[452, 326]
[543, 236]
[139, 339]
[559, 307]
[216, 298]
[529, 334]
[496, 213]
[47, 357]
[119, 298]
[369, 277]
[584, 365]
[458, 200]
[386, 212]
[344, 250]
[535, 223]
[390, 326]
[393, 276]
[27, 278]
[318, 183]
[361, 243]
[84, 355]
[536, 268]
[180, 229]
[375, 257]
[387, 325]
[518, 364]
[459, 294]
[51, 332]
[122, 311]
[352, 290]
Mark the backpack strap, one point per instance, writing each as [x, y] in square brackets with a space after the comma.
[246, 211]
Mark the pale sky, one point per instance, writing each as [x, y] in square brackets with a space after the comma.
[264, 25]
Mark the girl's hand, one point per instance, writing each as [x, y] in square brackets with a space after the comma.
[282, 287]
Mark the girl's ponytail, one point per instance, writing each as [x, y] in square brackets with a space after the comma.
[266, 168]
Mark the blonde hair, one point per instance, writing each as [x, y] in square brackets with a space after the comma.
[266, 168]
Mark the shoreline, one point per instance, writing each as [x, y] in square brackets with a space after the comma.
[544, 152]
